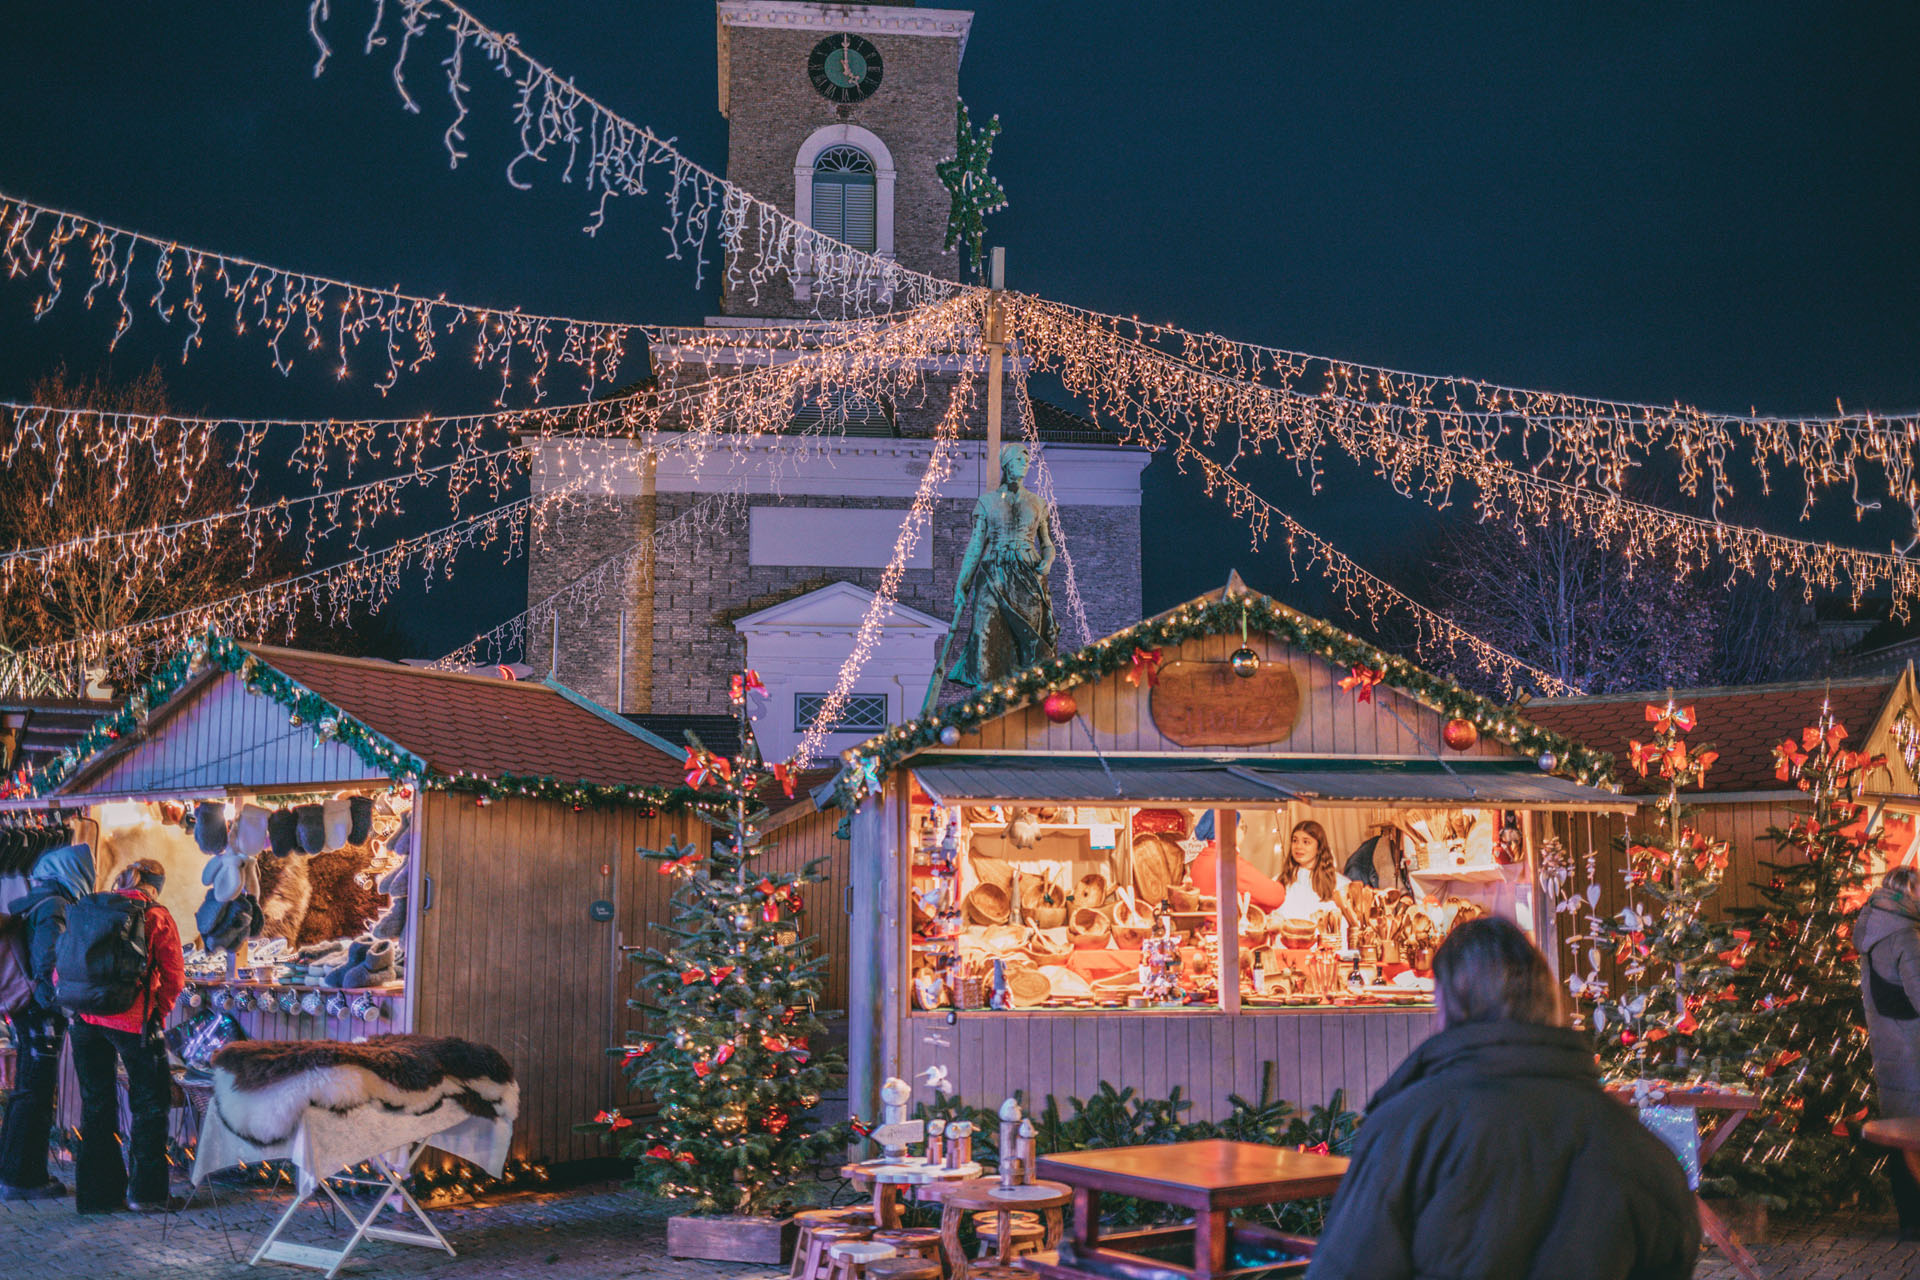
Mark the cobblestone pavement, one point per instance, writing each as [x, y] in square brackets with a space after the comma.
[602, 1232]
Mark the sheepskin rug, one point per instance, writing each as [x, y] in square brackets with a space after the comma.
[261, 1088]
[124, 844]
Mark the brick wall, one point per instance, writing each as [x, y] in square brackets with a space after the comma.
[773, 108]
[683, 661]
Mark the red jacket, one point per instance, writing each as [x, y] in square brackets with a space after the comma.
[169, 976]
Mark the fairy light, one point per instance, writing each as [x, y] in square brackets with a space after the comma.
[918, 518]
[556, 121]
[1578, 439]
[1164, 402]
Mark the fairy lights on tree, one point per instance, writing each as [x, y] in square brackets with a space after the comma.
[728, 1049]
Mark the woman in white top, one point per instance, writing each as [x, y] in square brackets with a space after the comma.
[1313, 883]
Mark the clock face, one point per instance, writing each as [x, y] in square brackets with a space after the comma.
[844, 68]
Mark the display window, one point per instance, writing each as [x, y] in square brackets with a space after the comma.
[1069, 906]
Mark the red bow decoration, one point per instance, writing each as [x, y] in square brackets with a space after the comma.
[1668, 718]
[1687, 1025]
[783, 776]
[720, 974]
[859, 1126]
[1317, 1149]
[765, 887]
[1145, 666]
[749, 683]
[1810, 737]
[1362, 679]
[658, 1152]
[682, 863]
[690, 976]
[702, 1069]
[723, 1055]
[770, 910]
[1644, 754]
[640, 1050]
[703, 767]
[612, 1119]
[773, 1044]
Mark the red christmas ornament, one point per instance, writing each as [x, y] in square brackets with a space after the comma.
[1459, 733]
[1059, 708]
[776, 1121]
[1627, 1038]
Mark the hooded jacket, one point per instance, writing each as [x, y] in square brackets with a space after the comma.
[1492, 1153]
[1887, 935]
[59, 876]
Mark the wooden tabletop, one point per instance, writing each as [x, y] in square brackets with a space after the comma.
[985, 1193]
[1902, 1132]
[1200, 1176]
[1705, 1097]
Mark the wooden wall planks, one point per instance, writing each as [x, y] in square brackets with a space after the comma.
[1209, 1057]
[1331, 721]
[825, 918]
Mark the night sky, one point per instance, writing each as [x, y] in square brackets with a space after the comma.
[1714, 203]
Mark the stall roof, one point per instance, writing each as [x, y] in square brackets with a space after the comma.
[1249, 783]
[1742, 723]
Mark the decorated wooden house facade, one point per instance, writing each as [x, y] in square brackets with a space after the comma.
[499, 858]
[1228, 836]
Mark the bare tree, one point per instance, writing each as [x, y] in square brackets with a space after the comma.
[92, 593]
[1575, 607]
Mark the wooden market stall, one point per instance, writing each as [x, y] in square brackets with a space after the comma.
[1074, 830]
[498, 860]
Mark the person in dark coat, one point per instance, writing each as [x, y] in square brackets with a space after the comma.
[1887, 936]
[1492, 1153]
[59, 877]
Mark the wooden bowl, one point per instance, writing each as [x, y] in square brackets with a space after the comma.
[1028, 987]
[989, 904]
[1048, 948]
[995, 871]
[1182, 898]
[1130, 928]
[1089, 927]
[1091, 891]
[1297, 935]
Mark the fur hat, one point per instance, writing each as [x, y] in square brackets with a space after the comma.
[338, 820]
[360, 824]
[312, 820]
[248, 835]
[283, 833]
[210, 826]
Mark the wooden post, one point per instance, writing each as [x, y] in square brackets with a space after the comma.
[996, 336]
[868, 944]
[1226, 838]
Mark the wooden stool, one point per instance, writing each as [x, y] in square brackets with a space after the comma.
[819, 1264]
[851, 1258]
[808, 1220]
[912, 1242]
[999, 1273]
[904, 1269]
[1024, 1233]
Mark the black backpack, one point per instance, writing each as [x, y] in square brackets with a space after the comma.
[101, 963]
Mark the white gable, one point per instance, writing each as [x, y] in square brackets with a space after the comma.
[799, 645]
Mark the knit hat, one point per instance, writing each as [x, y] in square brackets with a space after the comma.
[360, 825]
[283, 833]
[338, 820]
[312, 820]
[248, 834]
[210, 826]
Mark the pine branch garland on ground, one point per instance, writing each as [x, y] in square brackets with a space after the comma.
[730, 998]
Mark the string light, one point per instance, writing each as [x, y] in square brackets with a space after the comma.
[919, 517]
[1582, 440]
[612, 156]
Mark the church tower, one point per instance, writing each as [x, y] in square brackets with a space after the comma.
[837, 114]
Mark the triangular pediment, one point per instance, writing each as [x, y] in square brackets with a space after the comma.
[836, 606]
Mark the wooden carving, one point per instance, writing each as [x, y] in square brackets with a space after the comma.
[1204, 704]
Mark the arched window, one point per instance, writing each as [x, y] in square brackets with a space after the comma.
[844, 197]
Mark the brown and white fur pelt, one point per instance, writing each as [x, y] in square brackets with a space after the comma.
[261, 1088]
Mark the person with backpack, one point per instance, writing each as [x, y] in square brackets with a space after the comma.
[120, 970]
[59, 877]
[1887, 935]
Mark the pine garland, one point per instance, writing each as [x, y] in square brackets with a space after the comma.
[868, 763]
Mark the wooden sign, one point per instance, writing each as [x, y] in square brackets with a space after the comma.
[1203, 704]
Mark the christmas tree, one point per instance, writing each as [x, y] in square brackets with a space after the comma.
[1809, 1060]
[730, 1002]
[1669, 1011]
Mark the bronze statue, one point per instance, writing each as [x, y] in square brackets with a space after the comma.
[1007, 561]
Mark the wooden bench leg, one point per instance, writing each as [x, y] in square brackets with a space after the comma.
[1727, 1242]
